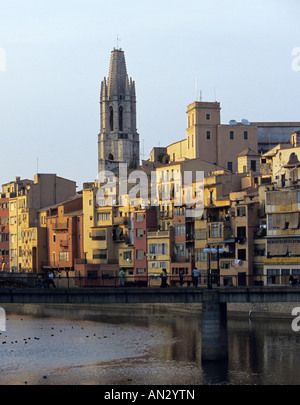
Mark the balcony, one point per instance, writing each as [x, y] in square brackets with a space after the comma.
[61, 225]
[120, 221]
[158, 234]
[64, 243]
[98, 235]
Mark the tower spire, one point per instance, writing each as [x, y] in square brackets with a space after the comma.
[118, 140]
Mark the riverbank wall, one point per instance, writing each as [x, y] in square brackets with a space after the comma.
[134, 311]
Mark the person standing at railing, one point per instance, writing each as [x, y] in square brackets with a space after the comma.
[51, 280]
[181, 274]
[195, 277]
[121, 278]
[164, 278]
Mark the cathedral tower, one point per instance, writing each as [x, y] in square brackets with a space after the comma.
[118, 140]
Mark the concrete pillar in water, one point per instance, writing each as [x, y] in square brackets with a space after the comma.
[214, 327]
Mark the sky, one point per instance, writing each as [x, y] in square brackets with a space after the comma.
[54, 55]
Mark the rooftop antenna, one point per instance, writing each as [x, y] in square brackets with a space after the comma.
[200, 95]
[118, 40]
[196, 83]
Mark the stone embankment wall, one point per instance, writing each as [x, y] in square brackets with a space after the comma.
[269, 310]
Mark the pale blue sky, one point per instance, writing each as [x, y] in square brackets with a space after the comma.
[58, 52]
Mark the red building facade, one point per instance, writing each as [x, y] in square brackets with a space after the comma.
[142, 221]
[64, 224]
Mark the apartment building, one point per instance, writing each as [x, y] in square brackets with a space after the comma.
[64, 228]
[283, 235]
[160, 245]
[206, 137]
[144, 220]
[28, 248]
[4, 234]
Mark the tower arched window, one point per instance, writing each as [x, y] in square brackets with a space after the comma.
[121, 118]
[111, 118]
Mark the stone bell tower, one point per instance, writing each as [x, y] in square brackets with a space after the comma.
[118, 140]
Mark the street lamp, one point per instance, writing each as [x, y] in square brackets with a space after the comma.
[213, 251]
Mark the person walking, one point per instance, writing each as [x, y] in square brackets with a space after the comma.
[164, 278]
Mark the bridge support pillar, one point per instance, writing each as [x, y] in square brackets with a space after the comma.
[214, 327]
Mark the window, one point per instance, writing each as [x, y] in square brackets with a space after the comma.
[139, 233]
[201, 256]
[242, 254]
[64, 256]
[180, 250]
[100, 254]
[216, 231]
[245, 135]
[111, 118]
[139, 254]
[208, 116]
[231, 135]
[158, 249]
[139, 217]
[179, 229]
[127, 255]
[207, 135]
[139, 271]
[241, 211]
[121, 118]
[253, 165]
[270, 222]
[103, 216]
[229, 166]
[241, 234]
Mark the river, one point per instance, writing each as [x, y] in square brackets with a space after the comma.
[152, 350]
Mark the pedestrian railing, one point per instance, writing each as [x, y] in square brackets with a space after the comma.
[30, 280]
